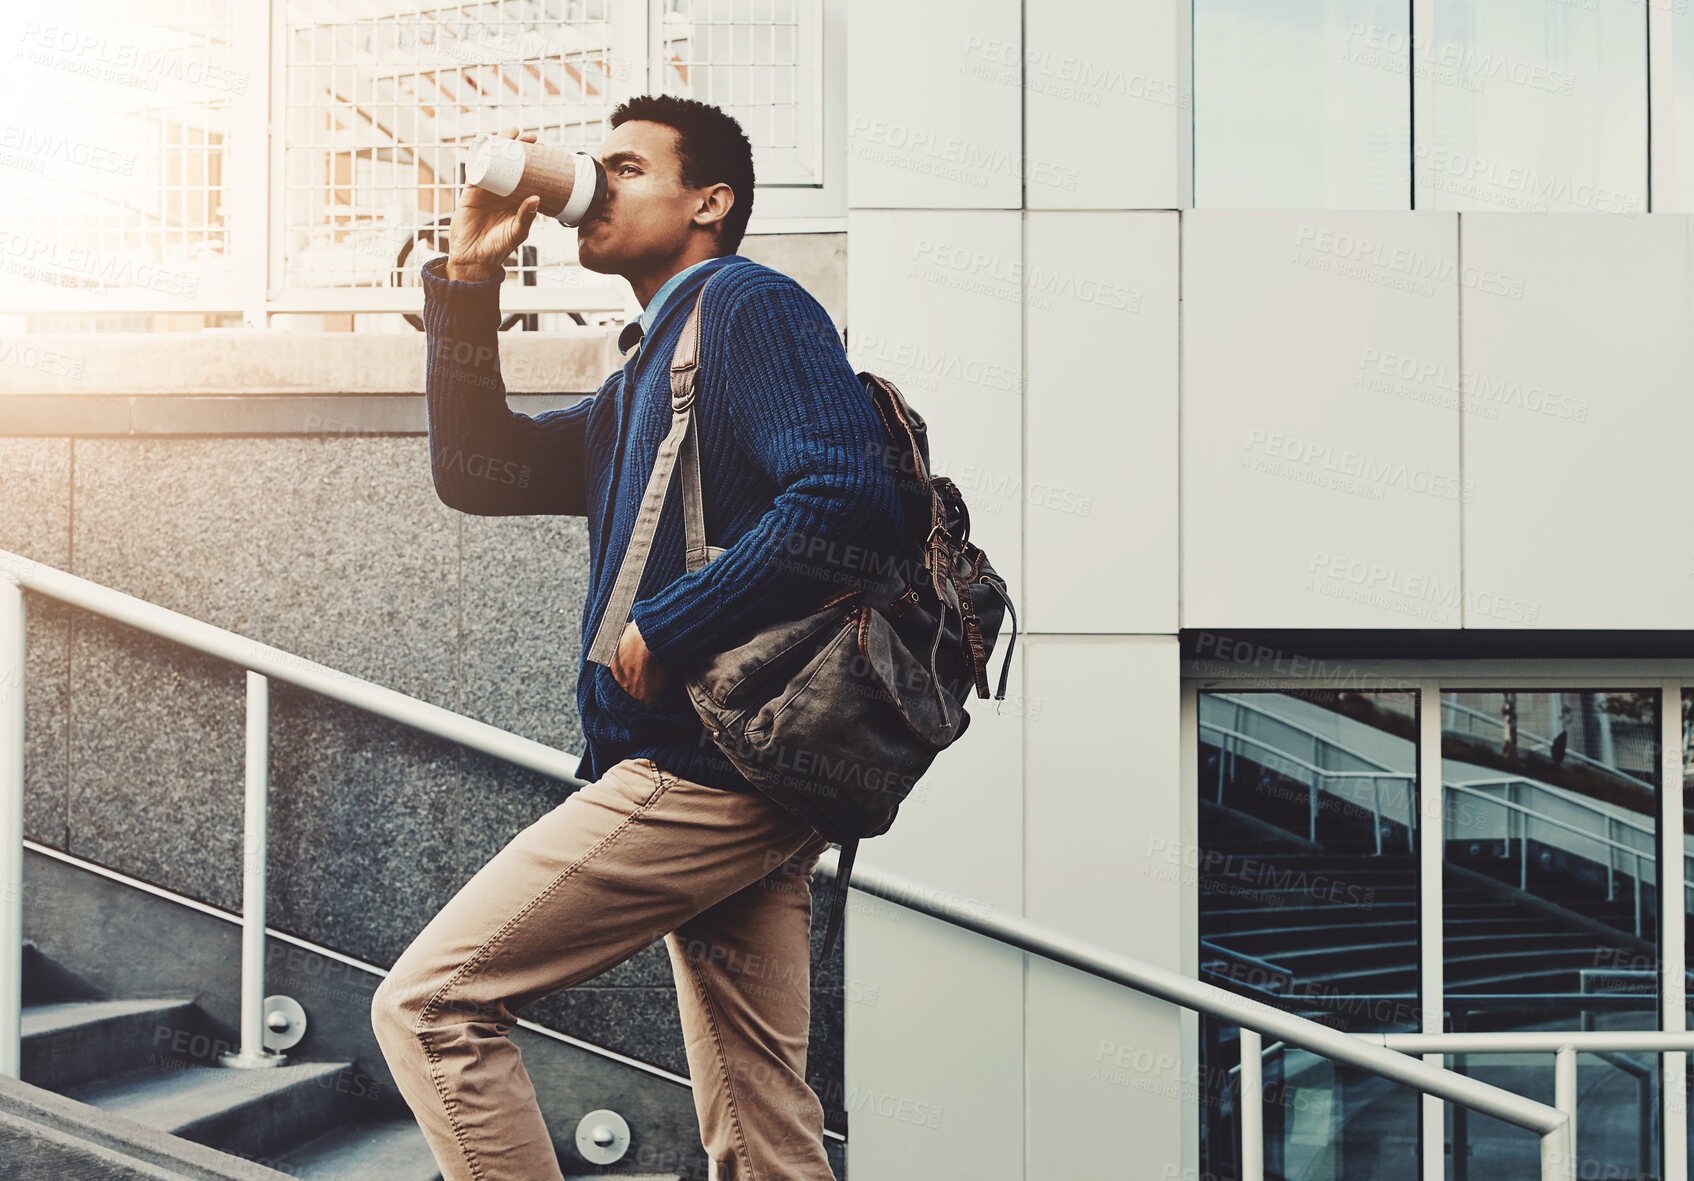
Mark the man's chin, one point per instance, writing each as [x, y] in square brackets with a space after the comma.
[594, 256]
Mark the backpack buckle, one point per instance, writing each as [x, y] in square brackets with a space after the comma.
[904, 601]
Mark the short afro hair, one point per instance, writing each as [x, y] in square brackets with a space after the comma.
[713, 149]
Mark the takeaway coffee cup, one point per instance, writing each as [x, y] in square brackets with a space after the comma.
[569, 183]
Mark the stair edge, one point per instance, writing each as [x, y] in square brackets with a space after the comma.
[175, 1156]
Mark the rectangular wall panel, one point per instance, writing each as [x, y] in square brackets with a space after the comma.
[933, 1069]
[1099, 504]
[1103, 799]
[1109, 103]
[1578, 421]
[932, 120]
[1104, 865]
[1320, 438]
[1107, 1082]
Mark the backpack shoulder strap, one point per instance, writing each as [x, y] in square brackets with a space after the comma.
[614, 617]
[838, 900]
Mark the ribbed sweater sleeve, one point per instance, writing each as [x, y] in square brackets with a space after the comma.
[800, 416]
[486, 458]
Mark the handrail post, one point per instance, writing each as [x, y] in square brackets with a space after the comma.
[1312, 810]
[1564, 1098]
[1223, 744]
[253, 853]
[1522, 818]
[1252, 1106]
[1611, 860]
[12, 625]
[1558, 1154]
[1636, 891]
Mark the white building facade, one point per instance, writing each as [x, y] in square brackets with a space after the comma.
[1293, 360]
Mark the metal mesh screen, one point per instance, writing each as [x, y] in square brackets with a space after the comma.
[759, 60]
[113, 151]
[127, 194]
[382, 100]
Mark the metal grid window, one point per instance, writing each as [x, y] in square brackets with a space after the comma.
[753, 58]
[382, 102]
[307, 160]
[115, 150]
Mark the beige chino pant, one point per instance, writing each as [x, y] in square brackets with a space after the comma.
[724, 876]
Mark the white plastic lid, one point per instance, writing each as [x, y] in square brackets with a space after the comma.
[496, 164]
[582, 191]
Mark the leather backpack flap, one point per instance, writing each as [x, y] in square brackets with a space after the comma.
[730, 677]
[840, 740]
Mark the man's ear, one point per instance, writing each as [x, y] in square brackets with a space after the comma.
[715, 205]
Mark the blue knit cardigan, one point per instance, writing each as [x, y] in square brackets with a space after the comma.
[797, 480]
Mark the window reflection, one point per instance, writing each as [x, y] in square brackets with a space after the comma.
[1550, 897]
[1308, 884]
[1681, 116]
[1533, 107]
[1616, 1126]
[1550, 888]
[1301, 104]
[1688, 852]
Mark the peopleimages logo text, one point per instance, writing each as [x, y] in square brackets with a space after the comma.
[1307, 454]
[1470, 62]
[1485, 391]
[99, 49]
[912, 145]
[1404, 260]
[1446, 168]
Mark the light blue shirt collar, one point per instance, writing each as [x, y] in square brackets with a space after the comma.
[657, 303]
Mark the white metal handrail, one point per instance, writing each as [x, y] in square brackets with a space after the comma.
[262, 663]
[1255, 1019]
[279, 665]
[1552, 1125]
[1564, 1045]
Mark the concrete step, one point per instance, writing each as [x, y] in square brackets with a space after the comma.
[66, 1043]
[255, 1113]
[387, 1150]
[44, 1135]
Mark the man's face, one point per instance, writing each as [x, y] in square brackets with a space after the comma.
[647, 216]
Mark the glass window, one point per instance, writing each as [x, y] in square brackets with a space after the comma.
[1680, 198]
[1302, 104]
[1308, 885]
[1533, 106]
[1616, 1117]
[1688, 857]
[1549, 883]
